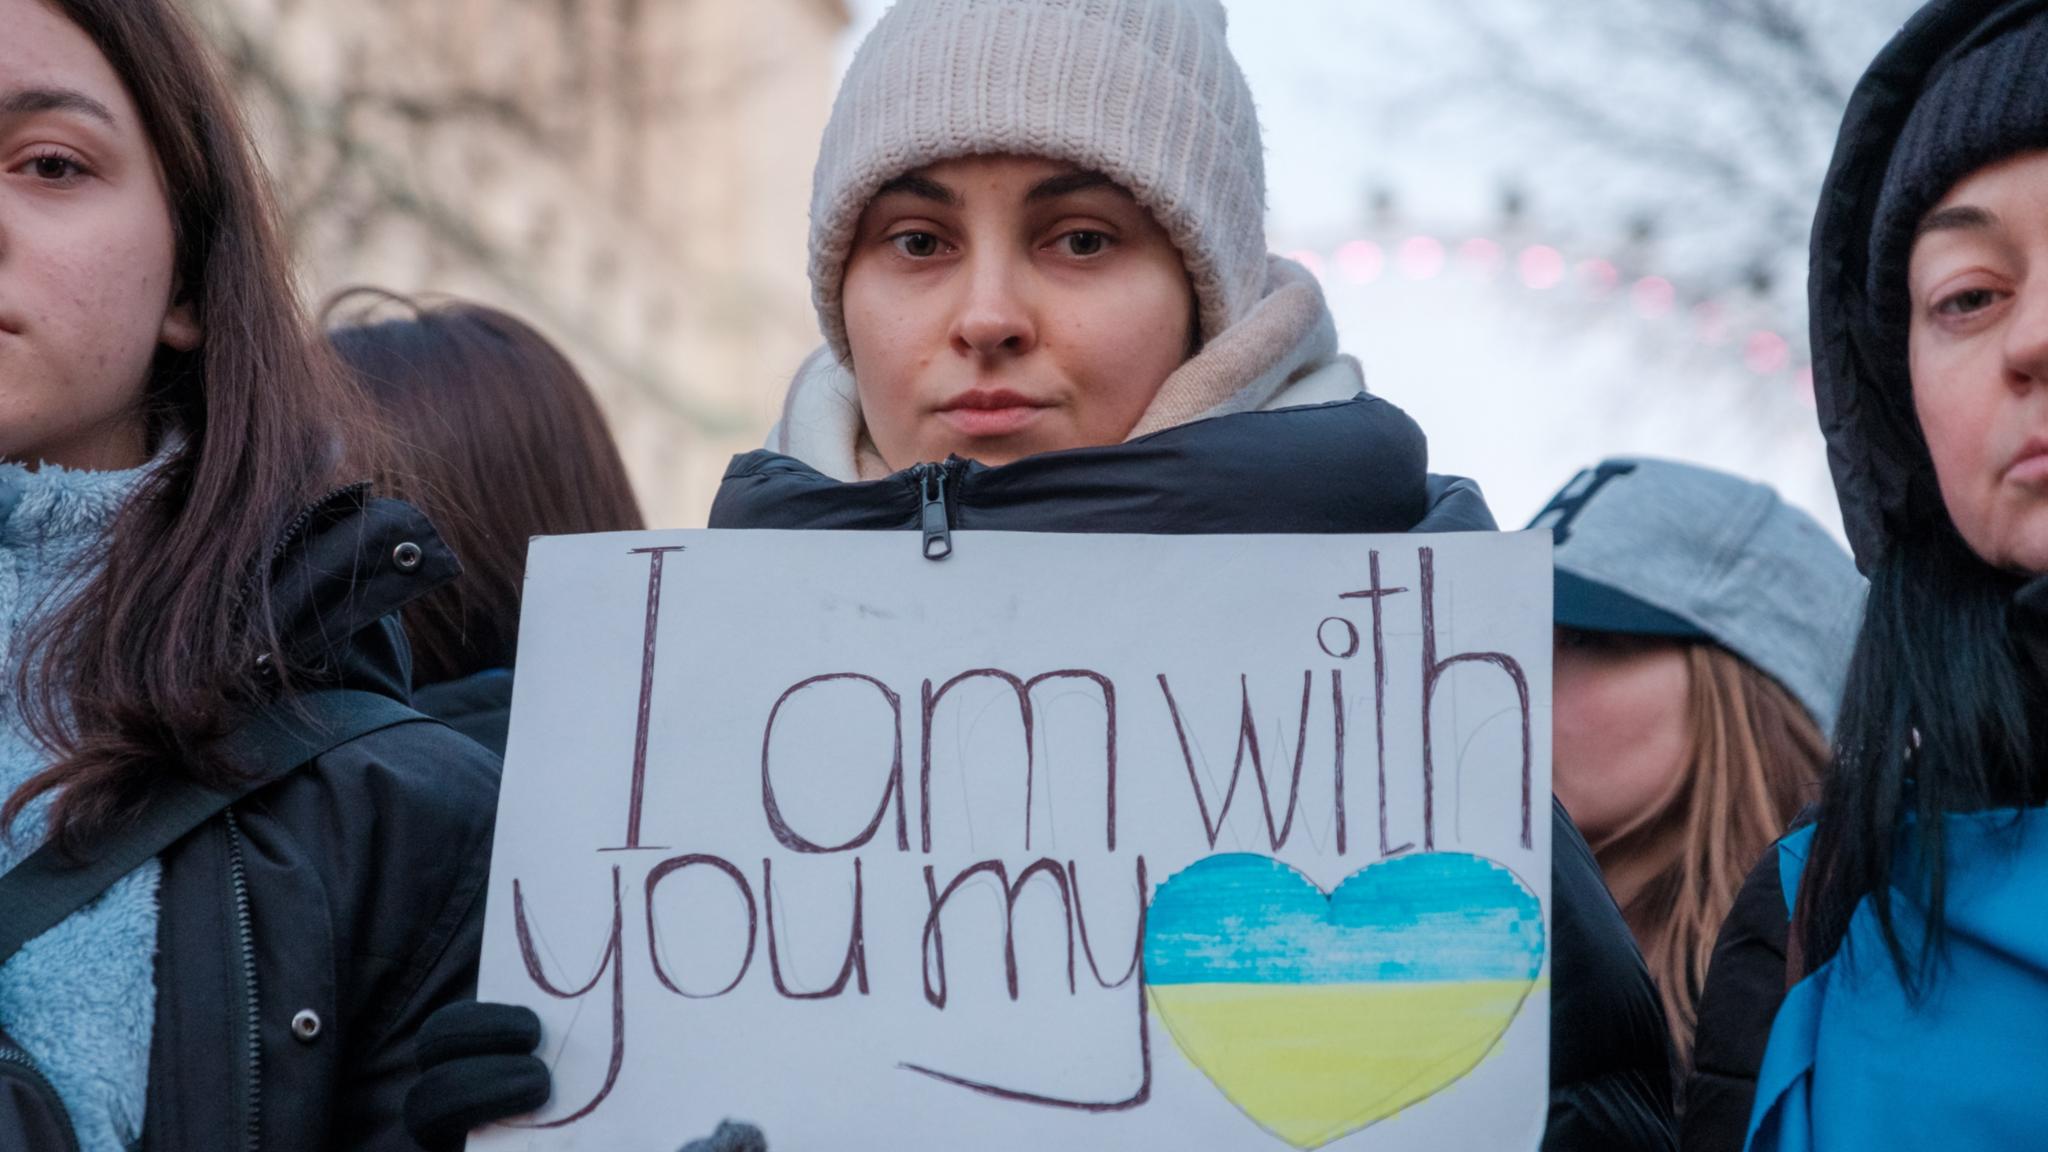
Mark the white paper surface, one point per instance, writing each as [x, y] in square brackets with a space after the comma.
[691, 964]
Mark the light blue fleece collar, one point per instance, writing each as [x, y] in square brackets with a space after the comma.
[81, 998]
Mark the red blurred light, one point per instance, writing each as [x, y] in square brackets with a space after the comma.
[1422, 257]
[1766, 353]
[1308, 260]
[1712, 323]
[1541, 266]
[1653, 297]
[1361, 261]
[1481, 255]
[1598, 275]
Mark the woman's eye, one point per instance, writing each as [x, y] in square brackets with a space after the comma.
[1085, 243]
[916, 245]
[1965, 302]
[54, 167]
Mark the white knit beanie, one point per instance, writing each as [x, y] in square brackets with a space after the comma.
[1143, 91]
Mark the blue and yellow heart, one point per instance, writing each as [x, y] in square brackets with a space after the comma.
[1318, 1015]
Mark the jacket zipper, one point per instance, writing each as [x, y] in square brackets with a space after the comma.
[252, 1031]
[938, 531]
[305, 516]
[292, 530]
[9, 1054]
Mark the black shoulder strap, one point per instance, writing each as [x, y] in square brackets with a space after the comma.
[39, 892]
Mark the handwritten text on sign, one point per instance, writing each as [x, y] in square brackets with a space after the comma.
[1066, 841]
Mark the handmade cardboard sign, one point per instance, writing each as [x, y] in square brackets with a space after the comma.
[1065, 841]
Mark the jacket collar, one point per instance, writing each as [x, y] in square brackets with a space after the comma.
[339, 574]
[1356, 465]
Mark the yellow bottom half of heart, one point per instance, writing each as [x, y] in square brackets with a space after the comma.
[1313, 1062]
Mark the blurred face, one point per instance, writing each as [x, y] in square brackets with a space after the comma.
[998, 307]
[86, 251]
[1979, 350]
[1619, 729]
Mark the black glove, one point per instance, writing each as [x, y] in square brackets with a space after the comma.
[476, 1066]
[730, 1137]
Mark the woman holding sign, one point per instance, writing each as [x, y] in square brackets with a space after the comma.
[239, 871]
[1917, 940]
[1039, 261]
[1050, 307]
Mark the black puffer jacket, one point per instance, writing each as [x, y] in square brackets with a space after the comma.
[306, 932]
[1355, 466]
[1746, 981]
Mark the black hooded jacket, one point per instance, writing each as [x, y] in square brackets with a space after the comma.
[1882, 475]
[1875, 451]
[1354, 466]
[306, 932]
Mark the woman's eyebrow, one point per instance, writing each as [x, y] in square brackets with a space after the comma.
[1068, 183]
[31, 101]
[1962, 217]
[922, 187]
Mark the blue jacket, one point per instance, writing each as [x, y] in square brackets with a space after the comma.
[1855, 1061]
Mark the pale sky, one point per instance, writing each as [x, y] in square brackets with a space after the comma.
[1516, 387]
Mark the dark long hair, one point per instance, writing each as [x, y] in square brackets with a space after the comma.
[158, 653]
[502, 441]
[1934, 720]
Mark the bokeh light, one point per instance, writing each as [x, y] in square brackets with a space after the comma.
[1710, 323]
[1653, 297]
[1482, 256]
[1766, 353]
[1361, 261]
[1422, 257]
[1598, 276]
[1308, 260]
[1542, 267]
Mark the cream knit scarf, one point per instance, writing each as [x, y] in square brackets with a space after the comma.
[1283, 354]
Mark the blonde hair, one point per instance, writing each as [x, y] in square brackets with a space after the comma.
[1755, 757]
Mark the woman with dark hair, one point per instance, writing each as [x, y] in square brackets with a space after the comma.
[503, 442]
[1916, 935]
[1039, 261]
[188, 579]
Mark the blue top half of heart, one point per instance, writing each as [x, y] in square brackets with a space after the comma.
[1436, 916]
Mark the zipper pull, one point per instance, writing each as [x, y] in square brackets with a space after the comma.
[938, 534]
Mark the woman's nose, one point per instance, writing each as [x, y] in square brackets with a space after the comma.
[2026, 340]
[995, 316]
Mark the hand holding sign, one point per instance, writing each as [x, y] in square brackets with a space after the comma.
[881, 853]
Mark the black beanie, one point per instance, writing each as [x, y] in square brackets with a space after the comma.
[1990, 104]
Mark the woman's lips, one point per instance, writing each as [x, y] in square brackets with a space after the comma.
[2030, 467]
[991, 412]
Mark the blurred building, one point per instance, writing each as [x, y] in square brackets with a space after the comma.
[630, 175]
